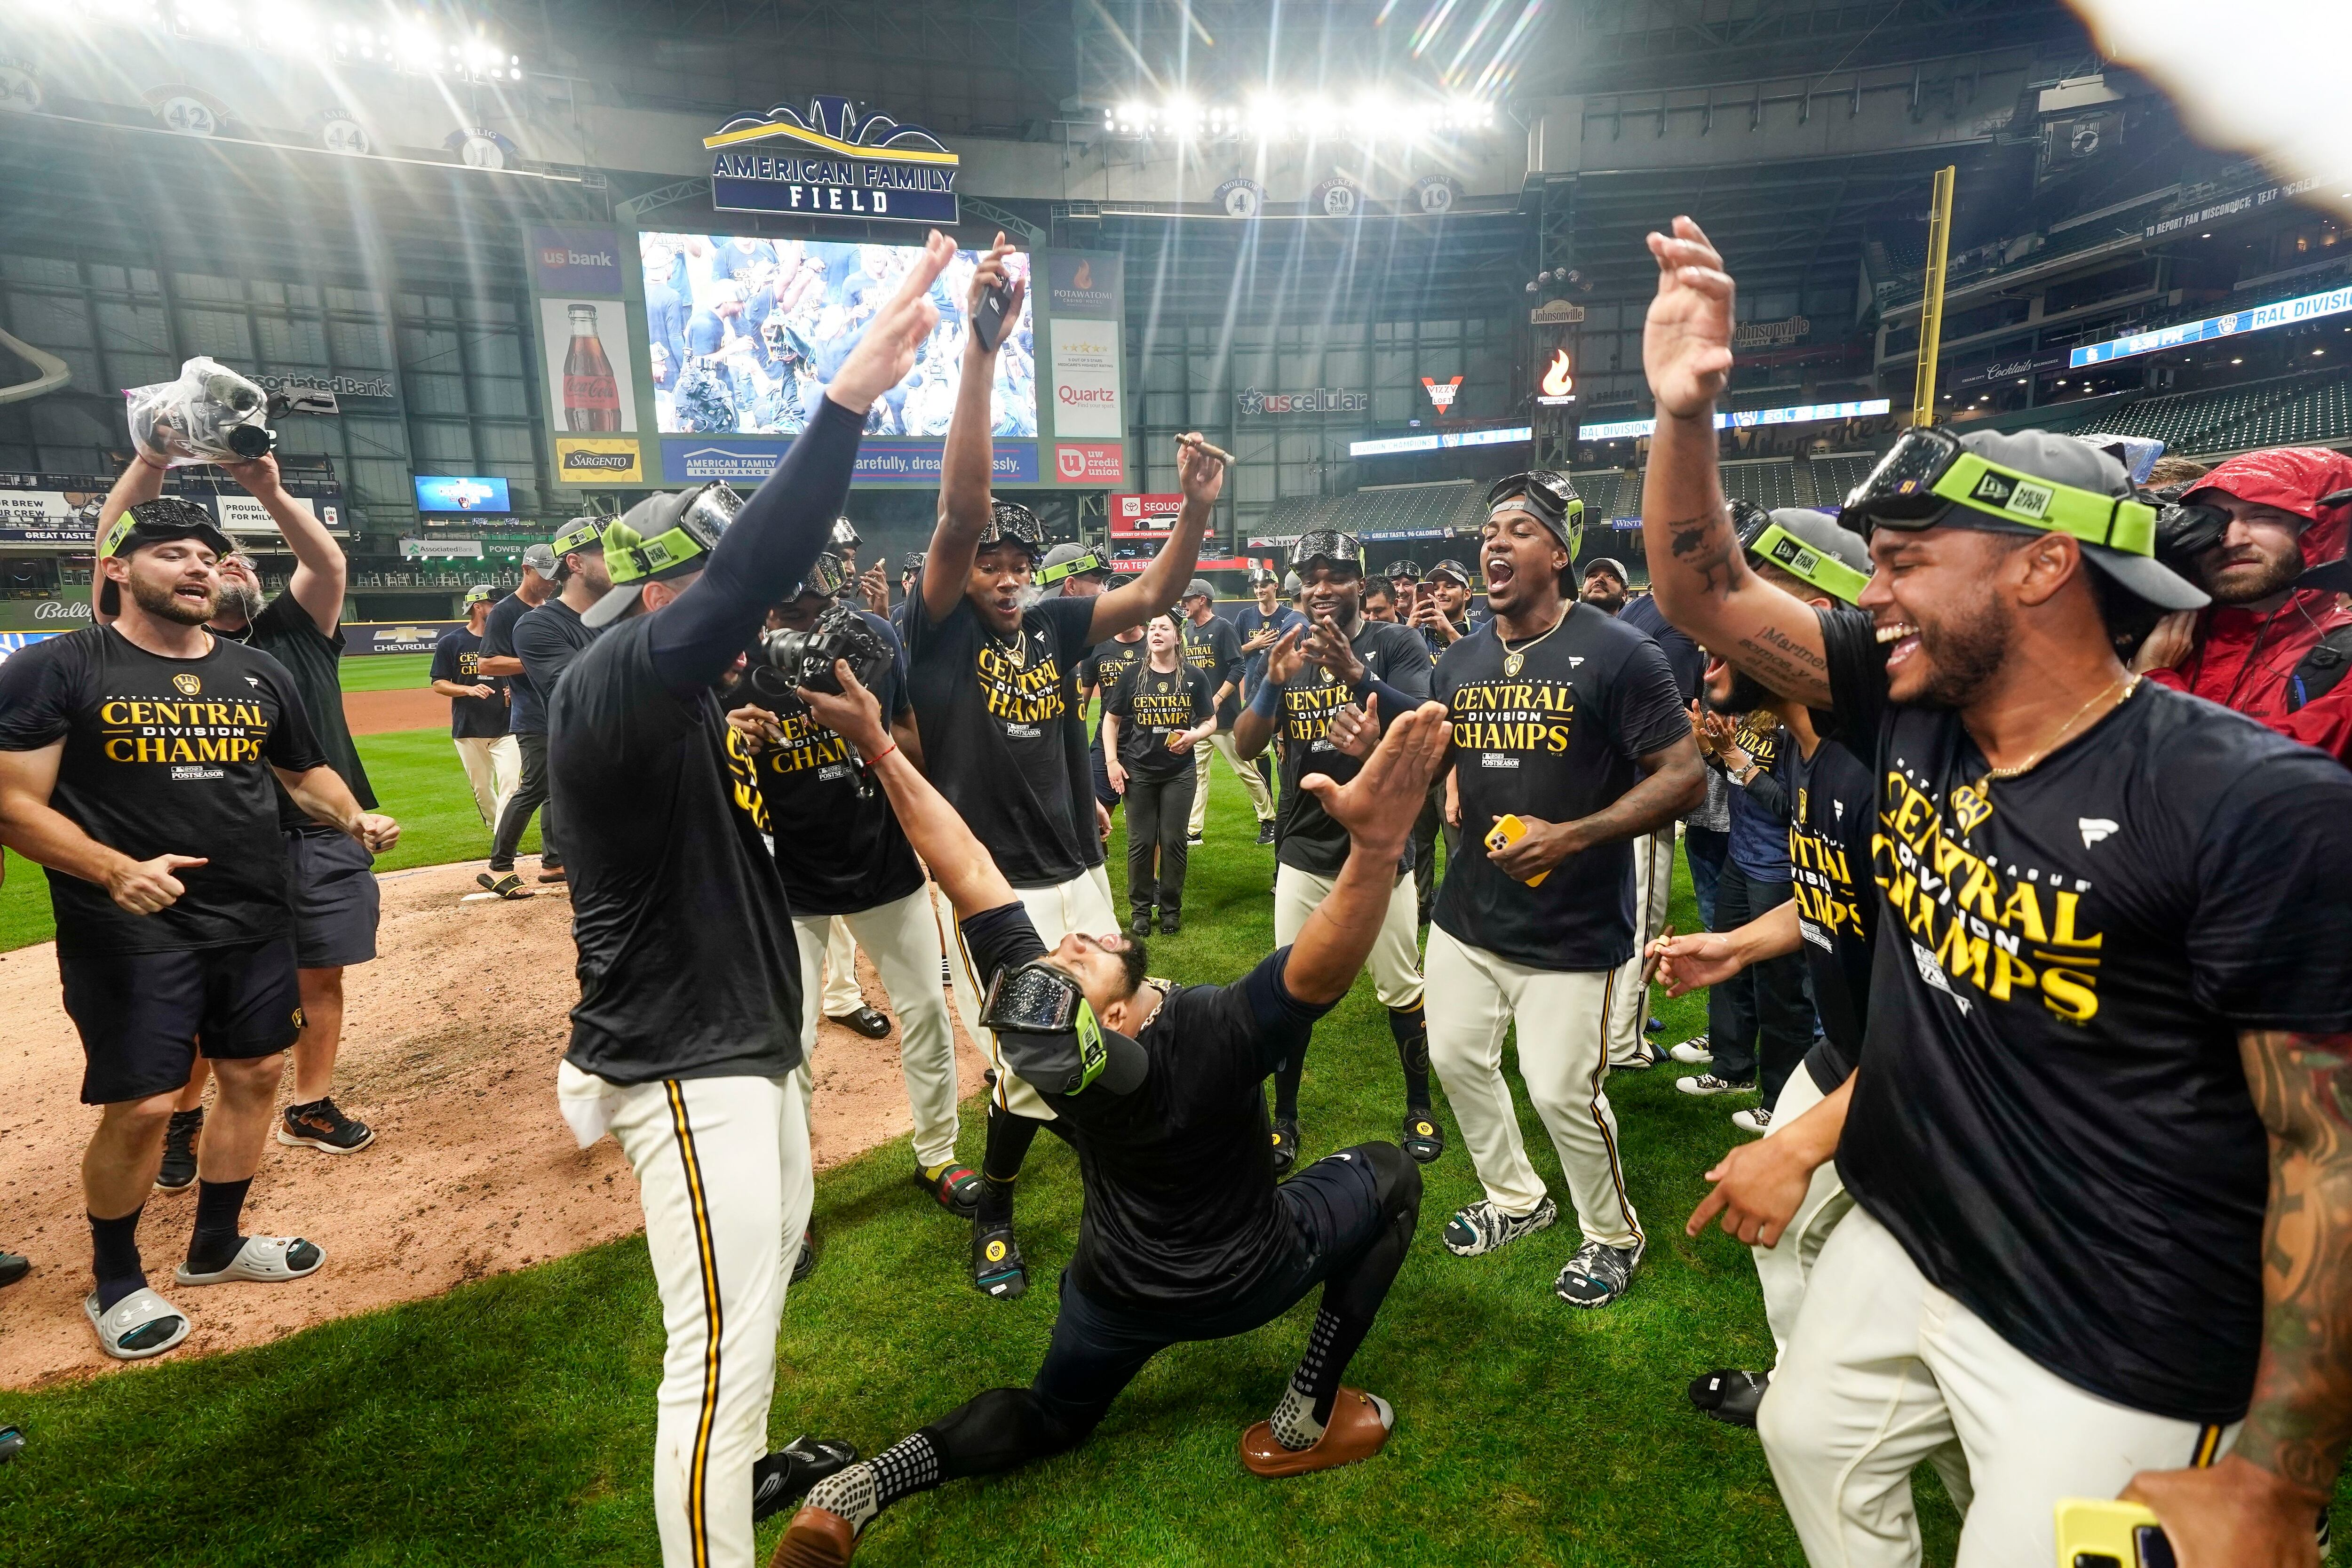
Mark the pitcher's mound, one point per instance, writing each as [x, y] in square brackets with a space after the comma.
[450, 1043]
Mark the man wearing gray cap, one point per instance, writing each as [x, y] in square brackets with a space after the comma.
[1213, 646]
[477, 708]
[2094, 1137]
[527, 721]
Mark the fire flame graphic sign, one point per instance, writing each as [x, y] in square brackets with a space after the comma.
[1558, 378]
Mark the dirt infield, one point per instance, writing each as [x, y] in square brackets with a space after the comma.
[450, 1045]
[375, 712]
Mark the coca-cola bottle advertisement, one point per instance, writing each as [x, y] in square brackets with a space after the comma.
[588, 382]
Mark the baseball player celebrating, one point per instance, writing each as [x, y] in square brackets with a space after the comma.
[990, 670]
[1559, 713]
[122, 748]
[689, 1035]
[1344, 658]
[2095, 1139]
[1213, 646]
[477, 710]
[1832, 919]
[858, 871]
[1184, 1237]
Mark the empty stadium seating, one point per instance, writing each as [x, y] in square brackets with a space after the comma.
[1767, 482]
[1835, 473]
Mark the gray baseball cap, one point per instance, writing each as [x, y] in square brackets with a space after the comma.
[1198, 588]
[540, 558]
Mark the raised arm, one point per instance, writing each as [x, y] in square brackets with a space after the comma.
[1698, 572]
[2257, 1505]
[965, 484]
[1377, 808]
[320, 571]
[141, 481]
[966, 871]
[1155, 588]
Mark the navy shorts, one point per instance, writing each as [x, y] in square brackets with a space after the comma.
[143, 1017]
[336, 899]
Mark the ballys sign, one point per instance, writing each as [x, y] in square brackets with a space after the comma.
[827, 162]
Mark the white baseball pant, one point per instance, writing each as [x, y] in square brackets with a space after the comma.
[842, 994]
[1396, 959]
[903, 939]
[493, 766]
[1783, 1268]
[1884, 1370]
[1474, 996]
[1654, 891]
[724, 1177]
[1261, 798]
[1081, 904]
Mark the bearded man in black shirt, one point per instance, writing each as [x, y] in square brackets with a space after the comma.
[991, 669]
[1184, 1235]
[2095, 1138]
[689, 1033]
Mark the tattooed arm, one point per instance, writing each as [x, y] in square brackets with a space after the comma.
[2257, 1506]
[1697, 571]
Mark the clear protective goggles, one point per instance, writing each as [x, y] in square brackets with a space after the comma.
[700, 517]
[1011, 523]
[1547, 495]
[1329, 546]
[1927, 472]
[1036, 998]
[825, 578]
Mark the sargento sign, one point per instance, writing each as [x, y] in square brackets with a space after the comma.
[829, 161]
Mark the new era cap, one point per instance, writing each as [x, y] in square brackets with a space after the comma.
[156, 521]
[539, 559]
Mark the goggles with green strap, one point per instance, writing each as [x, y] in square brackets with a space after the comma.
[697, 518]
[1799, 560]
[1055, 1040]
[1927, 472]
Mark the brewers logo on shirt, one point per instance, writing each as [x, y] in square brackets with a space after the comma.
[1978, 929]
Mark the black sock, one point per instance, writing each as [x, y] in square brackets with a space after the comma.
[114, 1265]
[1009, 1137]
[1410, 1027]
[216, 1241]
[909, 1466]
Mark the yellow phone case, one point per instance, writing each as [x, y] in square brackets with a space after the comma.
[2100, 1532]
[1510, 830]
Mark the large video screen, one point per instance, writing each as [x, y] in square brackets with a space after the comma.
[745, 332]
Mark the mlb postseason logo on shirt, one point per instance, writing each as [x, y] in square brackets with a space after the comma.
[828, 161]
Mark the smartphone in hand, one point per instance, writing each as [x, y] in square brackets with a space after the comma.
[995, 317]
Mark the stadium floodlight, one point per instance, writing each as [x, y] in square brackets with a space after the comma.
[1377, 112]
[299, 29]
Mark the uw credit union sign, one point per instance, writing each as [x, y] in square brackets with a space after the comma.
[828, 162]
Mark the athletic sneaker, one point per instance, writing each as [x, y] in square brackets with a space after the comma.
[1422, 1136]
[178, 1171]
[1759, 1120]
[1285, 1145]
[1598, 1274]
[805, 1264]
[781, 1479]
[1482, 1228]
[1265, 831]
[13, 1266]
[1693, 1053]
[1655, 1027]
[1707, 1083]
[996, 1267]
[1140, 924]
[1170, 922]
[1729, 1394]
[1193, 841]
[1647, 1054]
[318, 1125]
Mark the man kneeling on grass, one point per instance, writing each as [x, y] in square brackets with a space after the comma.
[1184, 1235]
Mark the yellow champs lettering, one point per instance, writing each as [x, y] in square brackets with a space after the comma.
[1019, 693]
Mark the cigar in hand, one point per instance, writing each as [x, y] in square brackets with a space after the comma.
[1655, 957]
[1217, 452]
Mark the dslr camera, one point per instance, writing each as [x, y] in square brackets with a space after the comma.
[210, 414]
[788, 660]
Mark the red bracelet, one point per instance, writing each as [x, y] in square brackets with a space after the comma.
[875, 760]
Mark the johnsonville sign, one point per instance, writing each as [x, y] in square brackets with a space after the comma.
[828, 162]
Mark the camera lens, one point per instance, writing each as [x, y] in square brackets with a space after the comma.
[248, 441]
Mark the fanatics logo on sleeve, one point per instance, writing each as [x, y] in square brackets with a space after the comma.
[2094, 828]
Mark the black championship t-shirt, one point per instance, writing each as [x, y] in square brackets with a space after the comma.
[547, 640]
[841, 851]
[1152, 705]
[457, 659]
[688, 963]
[2051, 1113]
[1305, 835]
[1002, 738]
[164, 756]
[1759, 818]
[1216, 650]
[1103, 668]
[1180, 1212]
[1554, 739]
[525, 714]
[1830, 826]
[285, 631]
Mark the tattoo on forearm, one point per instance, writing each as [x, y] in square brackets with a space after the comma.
[2301, 1420]
[1707, 546]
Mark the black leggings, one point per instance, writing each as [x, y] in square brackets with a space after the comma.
[1157, 813]
[1356, 1211]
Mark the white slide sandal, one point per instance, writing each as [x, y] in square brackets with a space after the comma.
[265, 1260]
[127, 1319]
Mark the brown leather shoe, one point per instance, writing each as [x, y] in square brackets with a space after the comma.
[1357, 1430]
[816, 1538]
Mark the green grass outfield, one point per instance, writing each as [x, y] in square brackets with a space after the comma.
[510, 1421]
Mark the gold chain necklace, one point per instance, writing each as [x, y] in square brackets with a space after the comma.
[1515, 657]
[2129, 683]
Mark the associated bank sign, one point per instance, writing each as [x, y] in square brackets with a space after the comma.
[828, 161]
